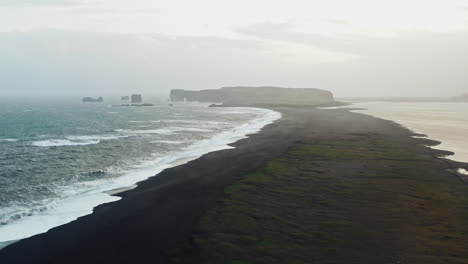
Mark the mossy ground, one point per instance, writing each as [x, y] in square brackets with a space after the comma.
[363, 199]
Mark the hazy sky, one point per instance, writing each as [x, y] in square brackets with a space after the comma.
[353, 48]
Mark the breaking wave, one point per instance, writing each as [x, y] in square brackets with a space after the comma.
[74, 141]
[78, 198]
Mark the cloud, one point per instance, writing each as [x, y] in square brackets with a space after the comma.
[114, 11]
[23, 3]
[411, 63]
[286, 32]
[337, 21]
[80, 63]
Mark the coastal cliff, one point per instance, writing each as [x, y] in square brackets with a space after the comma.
[265, 95]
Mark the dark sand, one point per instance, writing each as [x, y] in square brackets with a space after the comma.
[155, 221]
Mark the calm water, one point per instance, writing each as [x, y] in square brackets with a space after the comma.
[445, 122]
[60, 159]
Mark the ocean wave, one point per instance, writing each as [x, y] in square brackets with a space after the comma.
[195, 122]
[161, 131]
[63, 142]
[96, 137]
[9, 140]
[94, 173]
[174, 142]
[239, 111]
[75, 141]
[164, 131]
[189, 129]
[79, 199]
[14, 213]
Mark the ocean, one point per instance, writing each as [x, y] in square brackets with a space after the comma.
[444, 122]
[61, 158]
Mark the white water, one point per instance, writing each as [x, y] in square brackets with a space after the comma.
[80, 204]
[172, 142]
[9, 140]
[64, 142]
[74, 141]
[444, 122]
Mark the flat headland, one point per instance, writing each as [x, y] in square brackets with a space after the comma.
[316, 186]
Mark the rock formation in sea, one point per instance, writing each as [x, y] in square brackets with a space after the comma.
[93, 100]
[137, 98]
[264, 95]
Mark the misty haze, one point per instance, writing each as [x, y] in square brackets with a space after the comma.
[233, 132]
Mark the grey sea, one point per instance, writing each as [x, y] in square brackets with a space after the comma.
[61, 158]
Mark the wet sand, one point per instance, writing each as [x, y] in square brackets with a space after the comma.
[154, 223]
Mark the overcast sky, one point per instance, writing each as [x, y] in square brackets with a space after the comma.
[353, 48]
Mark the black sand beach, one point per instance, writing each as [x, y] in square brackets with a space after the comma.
[336, 187]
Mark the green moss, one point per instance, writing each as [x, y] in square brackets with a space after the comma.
[329, 201]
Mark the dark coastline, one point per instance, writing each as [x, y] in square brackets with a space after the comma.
[155, 221]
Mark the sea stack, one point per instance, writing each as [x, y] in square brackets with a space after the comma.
[136, 98]
[93, 100]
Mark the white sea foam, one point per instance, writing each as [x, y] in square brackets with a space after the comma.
[194, 122]
[189, 129]
[82, 197]
[163, 131]
[75, 141]
[174, 142]
[235, 112]
[463, 171]
[9, 140]
[95, 137]
[63, 142]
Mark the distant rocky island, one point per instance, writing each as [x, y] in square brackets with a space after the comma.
[136, 100]
[264, 95]
[92, 100]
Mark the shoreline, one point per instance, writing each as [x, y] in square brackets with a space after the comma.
[124, 183]
[156, 219]
[435, 143]
[433, 128]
